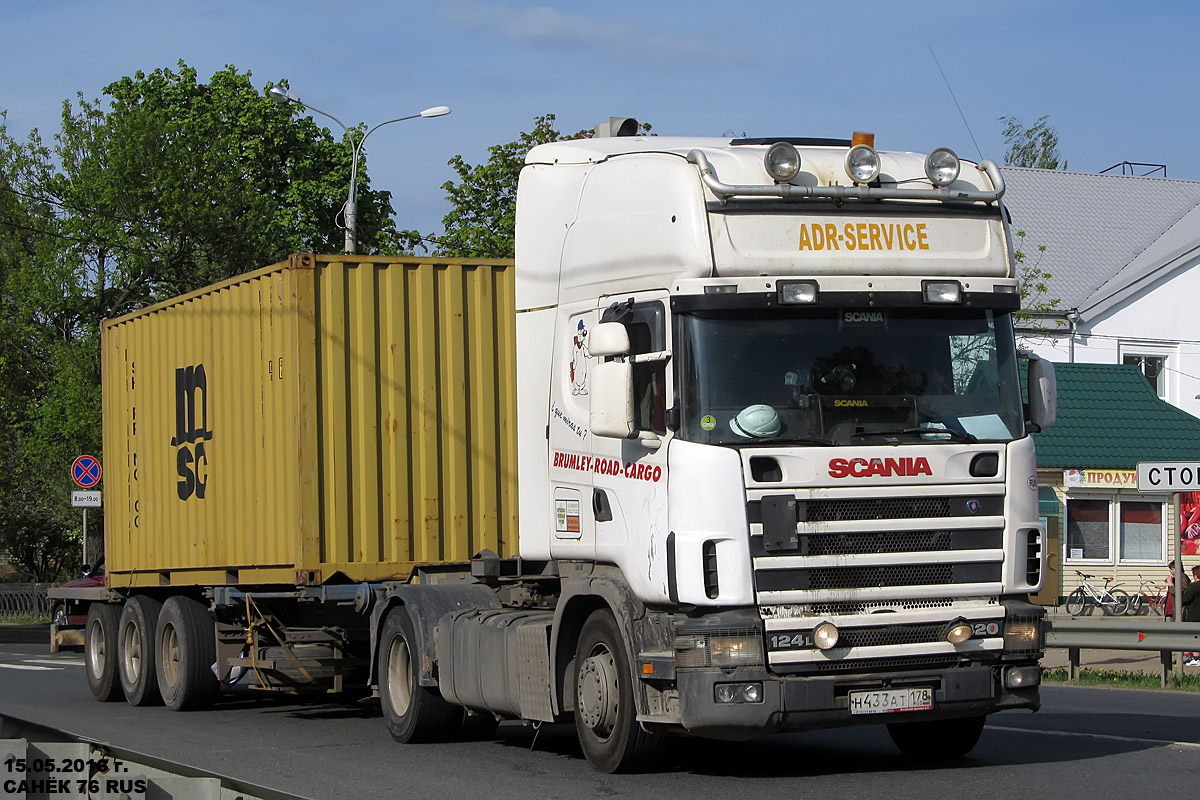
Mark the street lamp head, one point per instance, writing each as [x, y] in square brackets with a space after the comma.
[282, 95]
[436, 111]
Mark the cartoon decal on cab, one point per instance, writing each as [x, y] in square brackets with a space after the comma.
[579, 357]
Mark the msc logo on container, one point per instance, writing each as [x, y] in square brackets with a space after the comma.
[191, 431]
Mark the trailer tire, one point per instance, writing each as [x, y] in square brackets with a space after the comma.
[941, 739]
[100, 652]
[605, 717]
[185, 651]
[135, 651]
[413, 713]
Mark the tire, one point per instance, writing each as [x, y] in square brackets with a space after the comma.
[413, 713]
[1119, 605]
[1076, 602]
[135, 651]
[1135, 605]
[185, 650]
[100, 652]
[605, 716]
[937, 740]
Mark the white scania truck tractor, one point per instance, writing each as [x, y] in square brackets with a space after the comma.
[772, 446]
[754, 405]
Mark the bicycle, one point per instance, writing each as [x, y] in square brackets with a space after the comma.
[1148, 593]
[1113, 602]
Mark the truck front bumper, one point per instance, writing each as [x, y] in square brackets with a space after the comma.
[804, 703]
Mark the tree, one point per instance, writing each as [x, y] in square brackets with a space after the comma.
[482, 220]
[1035, 146]
[166, 186]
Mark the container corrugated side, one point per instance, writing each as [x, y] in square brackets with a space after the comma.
[328, 417]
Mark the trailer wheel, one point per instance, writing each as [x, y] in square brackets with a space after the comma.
[938, 739]
[413, 713]
[135, 651]
[605, 717]
[185, 651]
[100, 652]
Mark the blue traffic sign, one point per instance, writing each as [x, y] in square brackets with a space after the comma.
[86, 471]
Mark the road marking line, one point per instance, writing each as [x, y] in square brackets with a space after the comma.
[27, 666]
[58, 662]
[1129, 739]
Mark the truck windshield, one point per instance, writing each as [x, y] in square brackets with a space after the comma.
[840, 376]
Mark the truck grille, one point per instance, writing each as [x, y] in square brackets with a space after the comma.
[877, 508]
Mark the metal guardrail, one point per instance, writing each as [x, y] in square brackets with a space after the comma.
[1149, 635]
[24, 599]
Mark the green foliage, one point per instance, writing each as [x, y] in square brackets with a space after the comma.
[1035, 146]
[1125, 679]
[1035, 284]
[168, 185]
[482, 220]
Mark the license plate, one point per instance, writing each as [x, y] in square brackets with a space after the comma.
[887, 701]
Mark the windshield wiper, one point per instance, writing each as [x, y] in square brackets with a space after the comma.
[797, 440]
[957, 436]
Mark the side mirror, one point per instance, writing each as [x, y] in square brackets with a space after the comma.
[608, 339]
[612, 396]
[1043, 394]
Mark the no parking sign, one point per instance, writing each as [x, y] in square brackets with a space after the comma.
[85, 471]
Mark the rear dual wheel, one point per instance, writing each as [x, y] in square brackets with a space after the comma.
[413, 713]
[100, 652]
[185, 640]
[135, 651]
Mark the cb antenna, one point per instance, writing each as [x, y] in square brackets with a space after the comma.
[956, 105]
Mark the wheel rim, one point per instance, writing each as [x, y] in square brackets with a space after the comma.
[598, 692]
[95, 648]
[170, 656]
[131, 661]
[399, 676]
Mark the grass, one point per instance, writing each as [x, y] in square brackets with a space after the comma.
[1124, 679]
[24, 619]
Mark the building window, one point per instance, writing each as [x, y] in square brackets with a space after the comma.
[1154, 368]
[1141, 530]
[1088, 532]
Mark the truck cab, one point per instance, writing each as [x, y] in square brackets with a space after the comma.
[773, 386]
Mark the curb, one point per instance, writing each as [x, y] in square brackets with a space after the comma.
[13, 634]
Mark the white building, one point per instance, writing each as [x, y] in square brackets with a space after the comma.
[1120, 250]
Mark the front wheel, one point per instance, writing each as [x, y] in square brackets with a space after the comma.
[605, 717]
[937, 739]
[1076, 602]
[413, 713]
[1135, 605]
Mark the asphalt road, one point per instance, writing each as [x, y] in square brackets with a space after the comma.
[1085, 743]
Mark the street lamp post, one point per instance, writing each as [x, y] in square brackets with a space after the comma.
[284, 95]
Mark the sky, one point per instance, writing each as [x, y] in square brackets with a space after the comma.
[1112, 76]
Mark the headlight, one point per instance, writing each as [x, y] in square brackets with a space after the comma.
[735, 651]
[825, 636]
[941, 167]
[782, 161]
[862, 163]
[1022, 635]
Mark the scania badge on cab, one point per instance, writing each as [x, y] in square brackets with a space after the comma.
[738, 446]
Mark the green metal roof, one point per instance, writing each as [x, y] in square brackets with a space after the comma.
[1109, 417]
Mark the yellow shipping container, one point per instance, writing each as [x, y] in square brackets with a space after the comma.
[326, 418]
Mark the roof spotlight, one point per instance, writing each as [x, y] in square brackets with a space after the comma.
[942, 166]
[782, 161]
